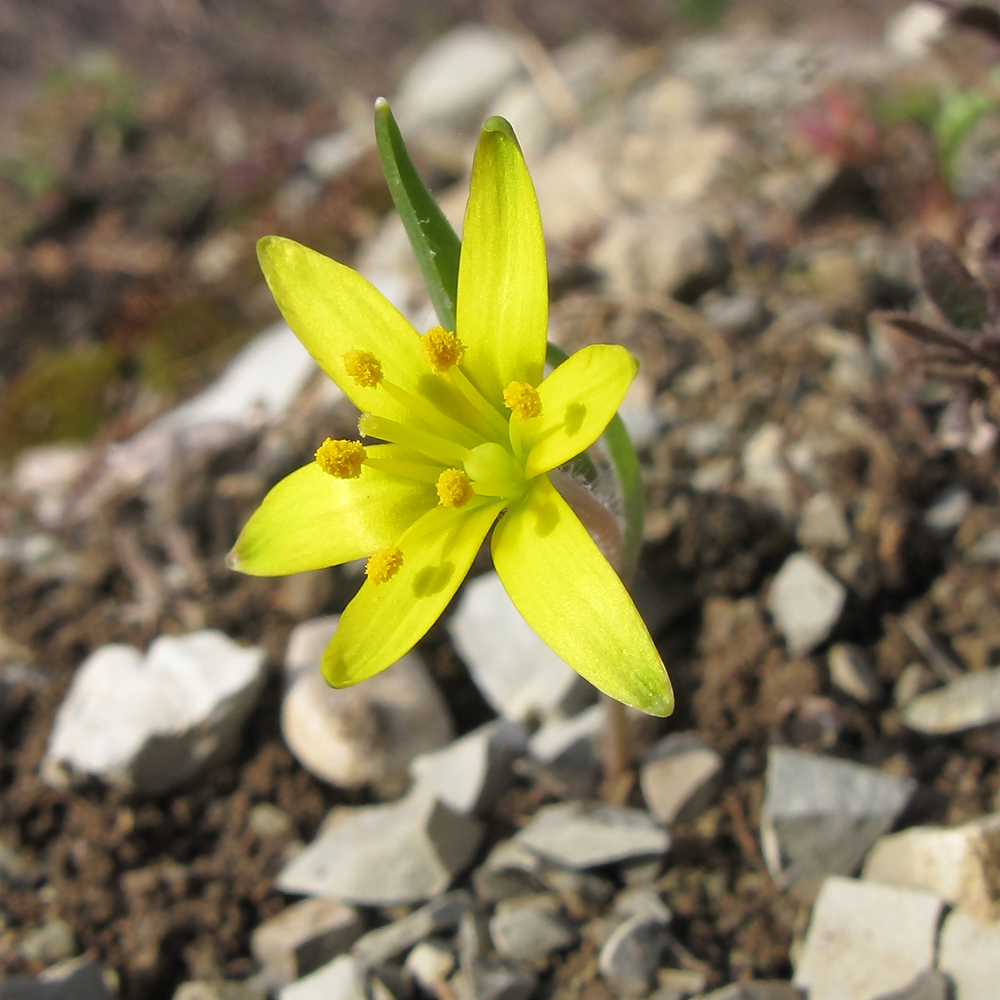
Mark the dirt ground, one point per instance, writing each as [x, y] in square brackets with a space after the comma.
[122, 174]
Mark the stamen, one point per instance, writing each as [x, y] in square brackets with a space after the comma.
[341, 459]
[444, 350]
[384, 565]
[522, 400]
[495, 422]
[429, 445]
[364, 368]
[434, 418]
[408, 470]
[454, 488]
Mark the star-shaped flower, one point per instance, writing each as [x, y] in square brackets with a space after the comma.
[472, 430]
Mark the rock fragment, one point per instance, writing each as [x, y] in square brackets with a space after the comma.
[969, 952]
[866, 939]
[679, 777]
[630, 957]
[967, 703]
[806, 602]
[151, 723]
[530, 927]
[73, 981]
[821, 814]
[337, 980]
[929, 985]
[851, 672]
[823, 524]
[384, 943]
[402, 852]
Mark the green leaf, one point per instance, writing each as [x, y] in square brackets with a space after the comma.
[434, 242]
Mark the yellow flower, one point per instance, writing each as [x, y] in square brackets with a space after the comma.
[471, 431]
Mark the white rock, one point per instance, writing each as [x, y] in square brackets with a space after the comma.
[806, 602]
[969, 702]
[569, 751]
[865, 940]
[430, 963]
[958, 864]
[384, 855]
[766, 471]
[470, 774]
[306, 643]
[152, 723]
[337, 980]
[913, 31]
[367, 734]
[851, 672]
[515, 671]
[631, 955]
[821, 814]
[822, 523]
[530, 927]
[679, 777]
[579, 835]
[303, 937]
[948, 509]
[47, 474]
[969, 952]
[385, 943]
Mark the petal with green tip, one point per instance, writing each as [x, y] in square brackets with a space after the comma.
[569, 594]
[502, 309]
[578, 400]
[310, 520]
[386, 620]
[333, 310]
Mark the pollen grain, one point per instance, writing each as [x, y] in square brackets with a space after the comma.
[522, 400]
[341, 459]
[364, 368]
[443, 349]
[384, 565]
[454, 489]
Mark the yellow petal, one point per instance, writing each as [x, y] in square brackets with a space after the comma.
[569, 594]
[385, 620]
[578, 401]
[502, 309]
[311, 520]
[333, 310]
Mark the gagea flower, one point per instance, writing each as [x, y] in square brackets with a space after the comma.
[471, 431]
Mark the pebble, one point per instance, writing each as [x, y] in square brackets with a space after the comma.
[679, 778]
[383, 855]
[969, 952]
[947, 510]
[150, 724]
[765, 469]
[929, 985]
[47, 474]
[762, 989]
[581, 835]
[73, 981]
[384, 943]
[629, 958]
[269, 822]
[806, 602]
[971, 701]
[915, 679]
[250, 989]
[510, 869]
[530, 927]
[368, 734]
[337, 980]
[642, 902]
[494, 981]
[53, 942]
[303, 937]
[866, 939]
[959, 864]
[739, 314]
[430, 963]
[568, 750]
[851, 672]
[823, 524]
[514, 670]
[472, 773]
[822, 814]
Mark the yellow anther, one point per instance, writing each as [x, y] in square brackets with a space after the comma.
[522, 400]
[364, 368]
[443, 348]
[341, 459]
[454, 488]
[384, 565]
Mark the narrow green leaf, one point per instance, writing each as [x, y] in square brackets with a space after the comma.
[434, 242]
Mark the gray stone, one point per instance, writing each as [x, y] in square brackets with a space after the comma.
[152, 723]
[304, 936]
[740, 314]
[823, 524]
[642, 902]
[679, 778]
[53, 942]
[269, 822]
[761, 989]
[631, 955]
[530, 927]
[472, 773]
[915, 679]
[403, 852]
[929, 985]
[766, 471]
[866, 939]
[430, 963]
[47, 474]
[678, 984]
[248, 989]
[515, 671]
[568, 749]
[986, 548]
[821, 814]
[579, 835]
[337, 980]
[966, 703]
[969, 952]
[73, 981]
[510, 869]
[851, 672]
[493, 981]
[384, 943]
[362, 735]
[806, 602]
[948, 509]
[959, 864]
